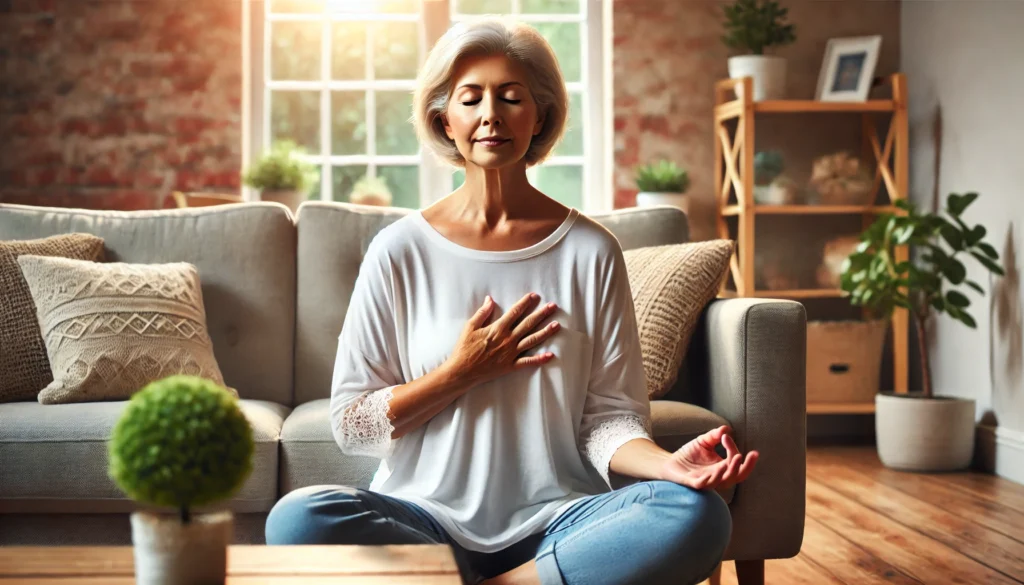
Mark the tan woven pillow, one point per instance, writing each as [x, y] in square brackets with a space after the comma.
[110, 329]
[24, 367]
[671, 285]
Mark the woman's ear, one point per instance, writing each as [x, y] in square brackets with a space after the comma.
[447, 127]
[538, 126]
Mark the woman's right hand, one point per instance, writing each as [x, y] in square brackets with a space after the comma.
[485, 352]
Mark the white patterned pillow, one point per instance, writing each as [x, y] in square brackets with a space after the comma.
[112, 328]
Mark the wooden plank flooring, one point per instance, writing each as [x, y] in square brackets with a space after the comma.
[867, 524]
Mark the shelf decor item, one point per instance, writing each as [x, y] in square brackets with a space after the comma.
[848, 69]
[662, 183]
[918, 430]
[282, 175]
[752, 26]
[839, 179]
[181, 443]
[844, 360]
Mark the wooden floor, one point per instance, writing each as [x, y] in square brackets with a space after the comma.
[869, 524]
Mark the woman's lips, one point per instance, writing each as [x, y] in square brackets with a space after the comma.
[492, 142]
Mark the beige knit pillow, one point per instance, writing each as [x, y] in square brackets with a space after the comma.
[671, 285]
[24, 367]
[110, 329]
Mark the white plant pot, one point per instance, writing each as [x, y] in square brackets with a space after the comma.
[768, 73]
[648, 199]
[924, 434]
[168, 552]
[290, 198]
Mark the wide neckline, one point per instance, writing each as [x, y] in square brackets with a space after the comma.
[497, 255]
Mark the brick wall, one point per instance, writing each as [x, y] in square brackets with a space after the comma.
[668, 56]
[110, 104]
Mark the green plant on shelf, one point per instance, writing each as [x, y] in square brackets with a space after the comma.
[755, 25]
[662, 177]
[874, 277]
[282, 168]
[181, 442]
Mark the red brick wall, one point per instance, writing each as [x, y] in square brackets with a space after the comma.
[111, 104]
[668, 56]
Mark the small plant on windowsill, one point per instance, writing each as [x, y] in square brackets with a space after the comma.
[371, 191]
[920, 431]
[282, 175]
[182, 442]
[751, 26]
[662, 183]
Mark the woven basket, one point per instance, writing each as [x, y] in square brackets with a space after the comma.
[844, 359]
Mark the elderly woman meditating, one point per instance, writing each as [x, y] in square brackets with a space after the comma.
[490, 357]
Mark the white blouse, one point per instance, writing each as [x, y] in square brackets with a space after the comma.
[505, 458]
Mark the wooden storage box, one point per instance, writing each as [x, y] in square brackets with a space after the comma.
[844, 359]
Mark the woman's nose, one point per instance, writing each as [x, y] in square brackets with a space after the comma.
[490, 114]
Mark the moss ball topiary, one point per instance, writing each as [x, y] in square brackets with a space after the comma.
[183, 442]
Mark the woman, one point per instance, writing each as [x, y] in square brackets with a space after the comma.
[490, 357]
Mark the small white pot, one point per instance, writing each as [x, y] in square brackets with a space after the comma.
[290, 198]
[768, 72]
[924, 434]
[168, 552]
[648, 199]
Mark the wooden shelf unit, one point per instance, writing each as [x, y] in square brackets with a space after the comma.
[734, 175]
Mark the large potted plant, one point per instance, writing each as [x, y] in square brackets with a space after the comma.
[181, 443]
[918, 430]
[662, 183]
[751, 26]
[282, 175]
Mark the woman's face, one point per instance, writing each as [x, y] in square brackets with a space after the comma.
[491, 115]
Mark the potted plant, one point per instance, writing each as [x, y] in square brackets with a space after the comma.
[752, 26]
[662, 183]
[371, 191]
[918, 430]
[282, 175]
[182, 442]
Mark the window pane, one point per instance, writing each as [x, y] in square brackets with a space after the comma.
[369, 7]
[398, 6]
[348, 50]
[293, 6]
[458, 178]
[404, 183]
[572, 143]
[395, 50]
[565, 40]
[550, 6]
[563, 183]
[295, 115]
[344, 179]
[348, 122]
[295, 51]
[395, 134]
[314, 189]
[483, 6]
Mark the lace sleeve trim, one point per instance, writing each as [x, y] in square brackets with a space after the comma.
[605, 439]
[366, 425]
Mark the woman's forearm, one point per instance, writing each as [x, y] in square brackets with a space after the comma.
[639, 458]
[415, 403]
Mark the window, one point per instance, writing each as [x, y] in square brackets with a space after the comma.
[336, 76]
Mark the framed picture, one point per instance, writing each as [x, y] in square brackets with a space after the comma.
[848, 68]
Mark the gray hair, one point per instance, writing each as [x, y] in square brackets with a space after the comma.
[519, 42]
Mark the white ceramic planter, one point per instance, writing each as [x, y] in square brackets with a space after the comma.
[768, 73]
[648, 199]
[290, 198]
[924, 434]
[168, 552]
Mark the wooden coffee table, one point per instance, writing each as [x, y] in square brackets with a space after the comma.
[247, 565]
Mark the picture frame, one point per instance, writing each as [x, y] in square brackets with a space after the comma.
[848, 69]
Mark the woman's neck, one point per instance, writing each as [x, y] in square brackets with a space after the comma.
[494, 195]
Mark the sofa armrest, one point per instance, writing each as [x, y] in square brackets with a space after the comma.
[750, 369]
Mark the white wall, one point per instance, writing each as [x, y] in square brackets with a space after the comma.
[964, 62]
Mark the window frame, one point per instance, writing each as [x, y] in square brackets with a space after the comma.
[435, 177]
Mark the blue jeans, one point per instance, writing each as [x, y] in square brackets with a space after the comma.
[651, 532]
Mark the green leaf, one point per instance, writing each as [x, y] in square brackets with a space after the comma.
[954, 270]
[957, 299]
[952, 236]
[975, 235]
[956, 204]
[987, 263]
[988, 250]
[904, 235]
[975, 286]
[903, 267]
[965, 318]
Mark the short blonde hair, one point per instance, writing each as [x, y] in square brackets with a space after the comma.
[519, 42]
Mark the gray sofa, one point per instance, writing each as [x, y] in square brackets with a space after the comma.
[276, 291]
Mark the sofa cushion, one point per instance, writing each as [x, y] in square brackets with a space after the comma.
[310, 456]
[671, 285]
[54, 458]
[24, 365]
[111, 329]
[246, 259]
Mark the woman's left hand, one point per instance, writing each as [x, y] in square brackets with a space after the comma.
[697, 465]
